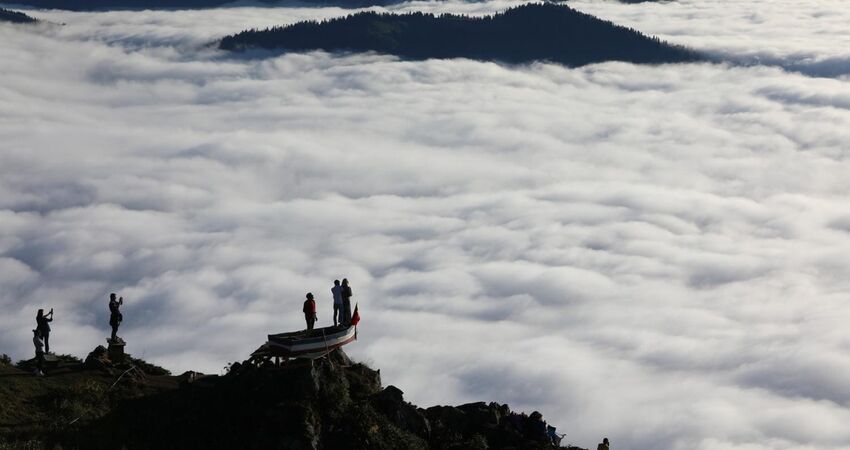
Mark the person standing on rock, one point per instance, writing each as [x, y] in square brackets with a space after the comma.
[39, 353]
[310, 311]
[337, 293]
[346, 302]
[115, 316]
[43, 326]
[604, 445]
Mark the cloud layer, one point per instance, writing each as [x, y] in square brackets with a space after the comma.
[654, 254]
[799, 35]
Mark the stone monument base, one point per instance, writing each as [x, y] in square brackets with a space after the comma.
[116, 350]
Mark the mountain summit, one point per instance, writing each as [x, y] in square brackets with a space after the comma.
[329, 403]
[532, 32]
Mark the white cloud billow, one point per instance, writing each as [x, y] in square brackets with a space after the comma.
[654, 254]
[804, 36]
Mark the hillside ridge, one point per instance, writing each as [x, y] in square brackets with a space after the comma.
[522, 34]
[112, 5]
[8, 15]
[329, 403]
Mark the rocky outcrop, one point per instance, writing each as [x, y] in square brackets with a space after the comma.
[332, 403]
[98, 359]
[390, 402]
[101, 359]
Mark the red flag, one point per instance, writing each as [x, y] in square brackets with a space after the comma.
[356, 316]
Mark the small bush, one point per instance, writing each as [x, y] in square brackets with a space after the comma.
[26, 364]
[69, 359]
[148, 368]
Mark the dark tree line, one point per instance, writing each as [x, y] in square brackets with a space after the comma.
[91, 5]
[7, 15]
[531, 32]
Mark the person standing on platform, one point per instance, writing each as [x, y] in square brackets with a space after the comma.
[337, 293]
[346, 302]
[43, 326]
[115, 316]
[310, 311]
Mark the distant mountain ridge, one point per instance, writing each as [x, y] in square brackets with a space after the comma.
[7, 15]
[532, 32]
[106, 5]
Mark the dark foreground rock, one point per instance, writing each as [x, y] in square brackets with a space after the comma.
[332, 403]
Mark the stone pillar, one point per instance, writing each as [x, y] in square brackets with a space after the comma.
[116, 351]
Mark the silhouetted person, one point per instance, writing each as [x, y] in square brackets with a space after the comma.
[42, 324]
[337, 293]
[310, 311]
[604, 445]
[537, 427]
[346, 302]
[115, 316]
[39, 353]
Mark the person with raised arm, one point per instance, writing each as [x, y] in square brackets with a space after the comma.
[42, 324]
[115, 316]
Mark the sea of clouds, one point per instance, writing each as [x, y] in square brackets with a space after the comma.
[800, 35]
[654, 254]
